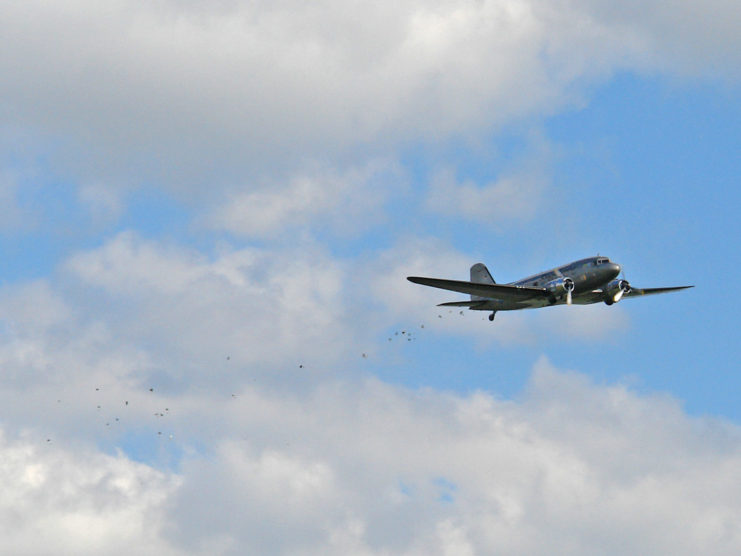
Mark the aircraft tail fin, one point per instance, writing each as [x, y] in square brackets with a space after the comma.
[480, 275]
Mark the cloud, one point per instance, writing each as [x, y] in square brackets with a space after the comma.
[509, 198]
[573, 464]
[681, 36]
[103, 202]
[259, 307]
[374, 469]
[79, 501]
[309, 460]
[344, 202]
[199, 97]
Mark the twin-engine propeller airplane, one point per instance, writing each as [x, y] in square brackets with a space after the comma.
[583, 282]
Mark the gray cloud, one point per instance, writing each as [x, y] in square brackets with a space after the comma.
[198, 97]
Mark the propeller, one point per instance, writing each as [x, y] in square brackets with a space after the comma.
[623, 288]
[569, 286]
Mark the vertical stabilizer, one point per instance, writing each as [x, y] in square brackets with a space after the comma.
[480, 275]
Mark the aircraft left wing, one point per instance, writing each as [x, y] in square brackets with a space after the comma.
[491, 291]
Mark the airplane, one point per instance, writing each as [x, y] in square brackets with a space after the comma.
[586, 281]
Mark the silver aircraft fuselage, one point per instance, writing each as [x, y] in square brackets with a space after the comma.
[587, 275]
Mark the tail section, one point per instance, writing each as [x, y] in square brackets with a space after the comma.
[480, 275]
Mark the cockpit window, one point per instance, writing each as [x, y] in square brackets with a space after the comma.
[603, 261]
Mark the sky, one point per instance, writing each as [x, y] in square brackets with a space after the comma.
[207, 214]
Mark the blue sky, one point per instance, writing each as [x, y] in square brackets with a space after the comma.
[208, 215]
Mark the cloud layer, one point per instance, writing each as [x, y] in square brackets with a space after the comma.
[194, 96]
[361, 467]
[231, 397]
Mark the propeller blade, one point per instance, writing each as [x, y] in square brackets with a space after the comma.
[618, 295]
[568, 297]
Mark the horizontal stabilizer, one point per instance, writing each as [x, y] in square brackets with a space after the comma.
[489, 291]
[471, 304]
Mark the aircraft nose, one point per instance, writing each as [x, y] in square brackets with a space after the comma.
[616, 268]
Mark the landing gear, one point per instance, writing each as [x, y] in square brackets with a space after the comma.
[491, 317]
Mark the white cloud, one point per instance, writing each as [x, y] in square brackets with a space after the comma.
[509, 198]
[58, 500]
[256, 306]
[285, 462]
[323, 198]
[203, 97]
[386, 470]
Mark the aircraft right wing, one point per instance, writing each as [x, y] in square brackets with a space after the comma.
[635, 292]
[490, 291]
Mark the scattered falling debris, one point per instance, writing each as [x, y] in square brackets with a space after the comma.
[48, 439]
[439, 316]
[300, 366]
[159, 432]
[421, 325]
[98, 407]
[228, 357]
[461, 313]
[127, 402]
[97, 389]
[151, 389]
[365, 356]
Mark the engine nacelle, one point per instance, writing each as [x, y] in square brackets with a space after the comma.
[560, 286]
[615, 290]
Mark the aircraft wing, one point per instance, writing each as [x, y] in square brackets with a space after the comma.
[491, 291]
[637, 292]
